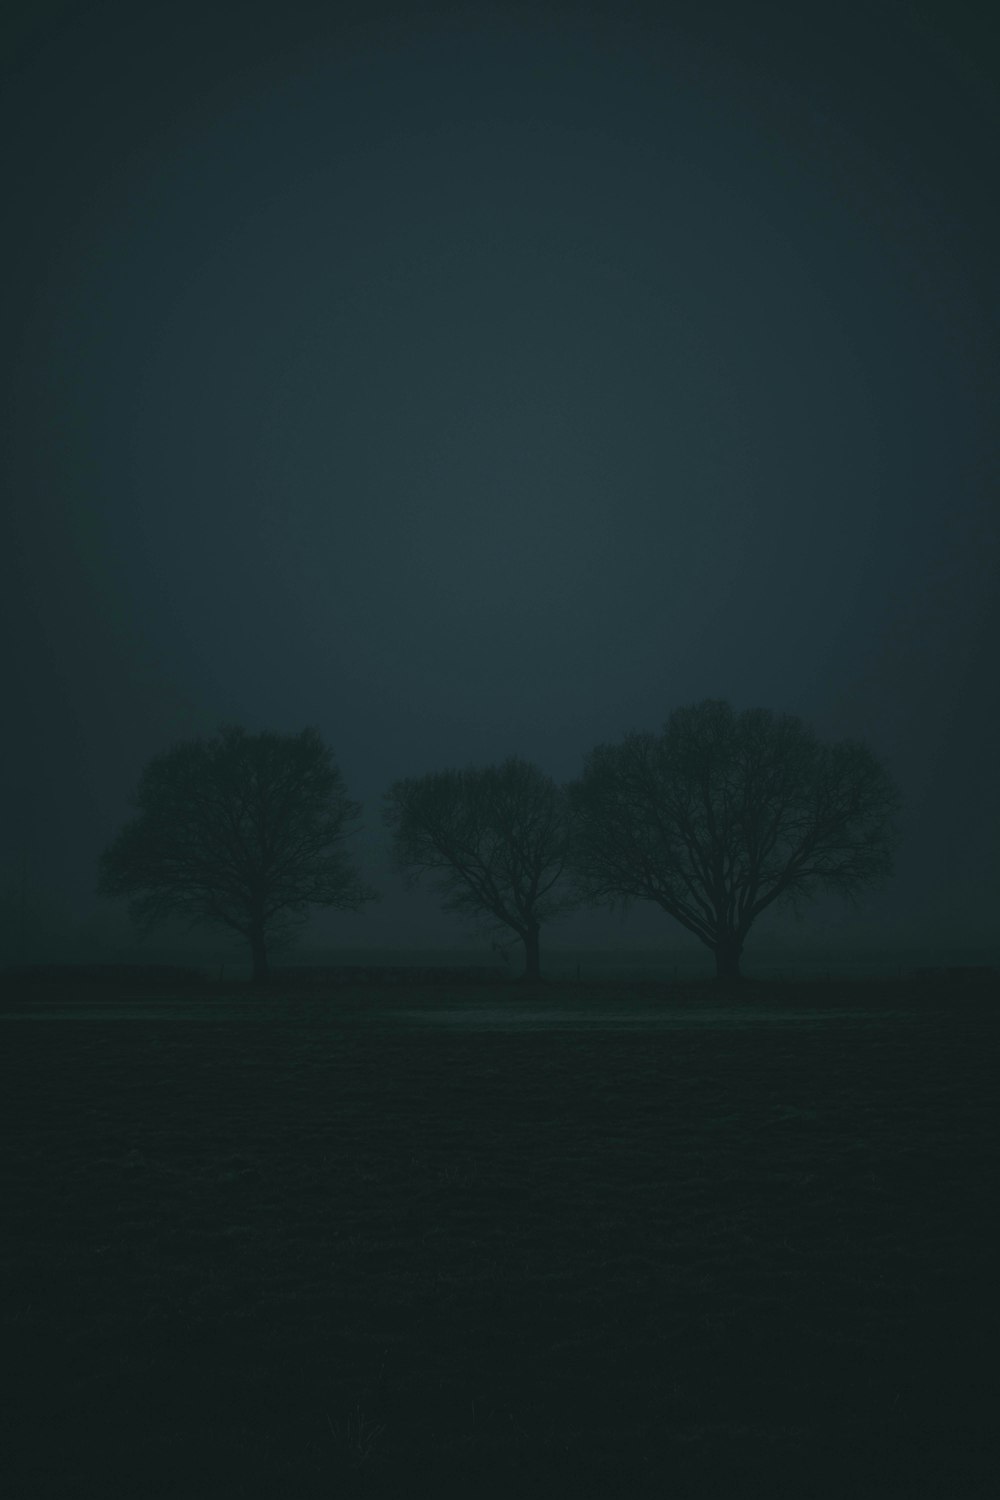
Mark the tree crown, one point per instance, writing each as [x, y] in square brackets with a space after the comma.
[724, 813]
[240, 829]
[495, 838]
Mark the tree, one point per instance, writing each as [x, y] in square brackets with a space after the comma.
[242, 831]
[723, 815]
[495, 838]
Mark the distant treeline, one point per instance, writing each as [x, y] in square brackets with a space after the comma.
[409, 974]
[333, 976]
[105, 973]
[306, 976]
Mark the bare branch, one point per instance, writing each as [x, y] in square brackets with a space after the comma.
[723, 815]
[242, 831]
[494, 841]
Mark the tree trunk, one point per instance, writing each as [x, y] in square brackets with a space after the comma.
[258, 953]
[727, 957]
[532, 960]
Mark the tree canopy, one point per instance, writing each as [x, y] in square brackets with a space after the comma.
[724, 814]
[243, 831]
[494, 838]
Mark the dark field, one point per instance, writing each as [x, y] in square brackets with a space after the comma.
[716, 1246]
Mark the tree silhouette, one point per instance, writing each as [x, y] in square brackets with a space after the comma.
[723, 815]
[241, 831]
[495, 838]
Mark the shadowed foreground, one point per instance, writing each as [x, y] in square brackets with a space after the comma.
[350, 1249]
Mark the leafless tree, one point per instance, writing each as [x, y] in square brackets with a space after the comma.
[495, 839]
[242, 831]
[724, 814]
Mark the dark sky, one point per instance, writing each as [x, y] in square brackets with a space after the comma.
[467, 380]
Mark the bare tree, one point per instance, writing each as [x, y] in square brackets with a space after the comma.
[241, 831]
[495, 838]
[723, 815]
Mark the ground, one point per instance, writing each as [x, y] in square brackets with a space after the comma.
[585, 1241]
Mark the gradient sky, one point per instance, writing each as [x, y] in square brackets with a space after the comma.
[466, 380]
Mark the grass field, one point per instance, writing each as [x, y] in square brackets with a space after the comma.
[584, 1241]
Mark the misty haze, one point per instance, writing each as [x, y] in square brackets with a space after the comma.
[499, 958]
